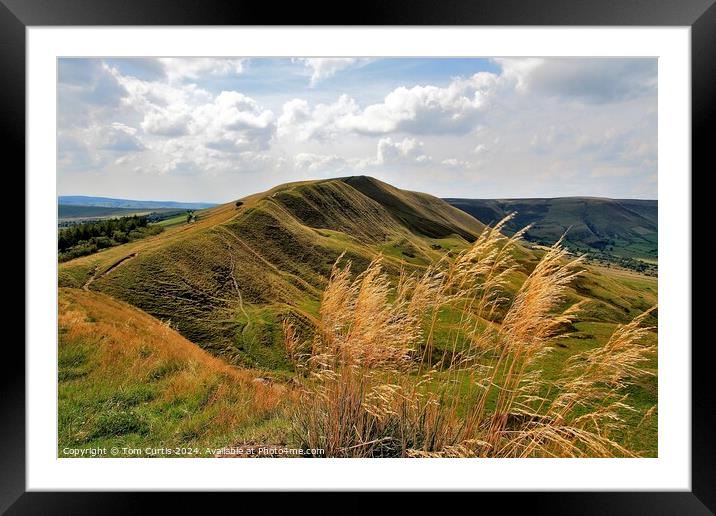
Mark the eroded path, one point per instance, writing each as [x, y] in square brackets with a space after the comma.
[116, 264]
[236, 284]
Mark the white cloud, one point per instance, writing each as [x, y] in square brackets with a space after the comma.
[197, 67]
[326, 67]
[519, 69]
[234, 122]
[390, 155]
[332, 164]
[548, 138]
[406, 151]
[166, 122]
[456, 163]
[118, 137]
[228, 122]
[319, 163]
[619, 148]
[535, 127]
[322, 122]
[594, 80]
[454, 109]
[427, 109]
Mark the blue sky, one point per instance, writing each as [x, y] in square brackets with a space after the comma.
[216, 129]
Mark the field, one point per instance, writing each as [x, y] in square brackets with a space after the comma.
[237, 328]
[69, 215]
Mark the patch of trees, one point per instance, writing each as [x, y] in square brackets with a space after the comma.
[90, 237]
[607, 259]
[159, 216]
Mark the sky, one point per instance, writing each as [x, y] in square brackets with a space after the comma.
[217, 129]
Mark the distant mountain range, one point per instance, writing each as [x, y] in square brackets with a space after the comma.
[108, 202]
[72, 213]
[623, 227]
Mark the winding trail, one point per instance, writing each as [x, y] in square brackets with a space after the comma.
[110, 269]
[236, 285]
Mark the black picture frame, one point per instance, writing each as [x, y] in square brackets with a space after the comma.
[700, 15]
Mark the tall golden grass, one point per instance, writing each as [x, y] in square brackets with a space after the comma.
[373, 384]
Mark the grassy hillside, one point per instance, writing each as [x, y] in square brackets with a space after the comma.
[134, 318]
[621, 227]
[228, 281]
[126, 379]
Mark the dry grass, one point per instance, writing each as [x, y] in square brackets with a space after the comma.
[118, 362]
[372, 388]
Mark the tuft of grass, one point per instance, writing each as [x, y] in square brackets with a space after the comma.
[371, 386]
[111, 423]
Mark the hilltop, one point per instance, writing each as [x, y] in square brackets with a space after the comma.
[228, 280]
[622, 227]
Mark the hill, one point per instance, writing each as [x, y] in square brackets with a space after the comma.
[108, 202]
[227, 281]
[622, 227]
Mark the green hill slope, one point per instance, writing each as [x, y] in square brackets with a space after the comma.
[621, 227]
[227, 281]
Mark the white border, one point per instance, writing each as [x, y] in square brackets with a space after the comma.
[671, 470]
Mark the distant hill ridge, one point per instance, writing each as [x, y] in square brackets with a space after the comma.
[626, 227]
[108, 202]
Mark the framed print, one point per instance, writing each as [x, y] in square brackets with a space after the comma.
[427, 251]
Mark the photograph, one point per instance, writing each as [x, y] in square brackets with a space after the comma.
[357, 257]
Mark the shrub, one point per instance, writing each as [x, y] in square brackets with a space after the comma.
[120, 236]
